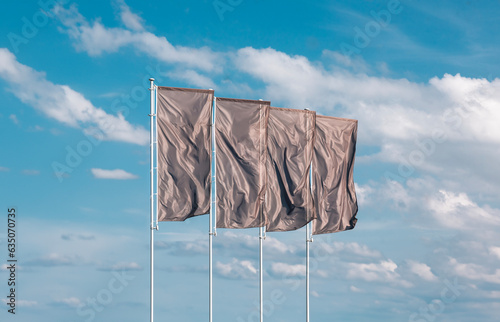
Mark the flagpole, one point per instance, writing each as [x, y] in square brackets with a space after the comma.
[152, 210]
[261, 273]
[309, 240]
[213, 196]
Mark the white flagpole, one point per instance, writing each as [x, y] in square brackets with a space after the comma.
[261, 273]
[153, 227]
[309, 240]
[213, 195]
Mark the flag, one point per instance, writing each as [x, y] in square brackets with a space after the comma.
[241, 153]
[289, 204]
[184, 155]
[333, 183]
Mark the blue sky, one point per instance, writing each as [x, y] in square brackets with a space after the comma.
[420, 76]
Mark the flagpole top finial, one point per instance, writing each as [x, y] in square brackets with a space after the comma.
[151, 79]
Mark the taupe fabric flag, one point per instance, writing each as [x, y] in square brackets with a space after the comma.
[241, 148]
[184, 156]
[289, 204]
[333, 183]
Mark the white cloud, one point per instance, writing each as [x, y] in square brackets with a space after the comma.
[474, 271]
[95, 39]
[283, 269]
[495, 251]
[422, 270]
[236, 269]
[116, 174]
[4, 169]
[122, 266]
[192, 77]
[355, 289]
[30, 172]
[14, 119]
[348, 248]
[54, 259]
[130, 20]
[384, 271]
[65, 105]
[457, 210]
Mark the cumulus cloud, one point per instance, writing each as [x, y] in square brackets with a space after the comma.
[116, 174]
[384, 271]
[422, 270]
[236, 269]
[65, 105]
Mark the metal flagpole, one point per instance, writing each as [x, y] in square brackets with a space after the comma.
[212, 232]
[261, 273]
[153, 227]
[309, 240]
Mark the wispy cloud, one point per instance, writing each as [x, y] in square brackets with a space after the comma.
[54, 259]
[31, 172]
[122, 266]
[95, 39]
[116, 174]
[4, 169]
[65, 105]
[14, 119]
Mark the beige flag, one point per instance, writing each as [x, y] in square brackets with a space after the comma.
[184, 154]
[289, 204]
[241, 150]
[333, 183]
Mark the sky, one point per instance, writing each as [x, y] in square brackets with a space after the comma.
[422, 78]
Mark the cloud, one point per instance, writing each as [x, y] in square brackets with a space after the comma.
[236, 269]
[422, 270]
[384, 271]
[4, 169]
[130, 20]
[29, 172]
[14, 119]
[354, 289]
[65, 105]
[71, 302]
[54, 259]
[457, 210]
[122, 266]
[192, 77]
[495, 251]
[283, 269]
[117, 174]
[184, 248]
[474, 271]
[77, 236]
[96, 39]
